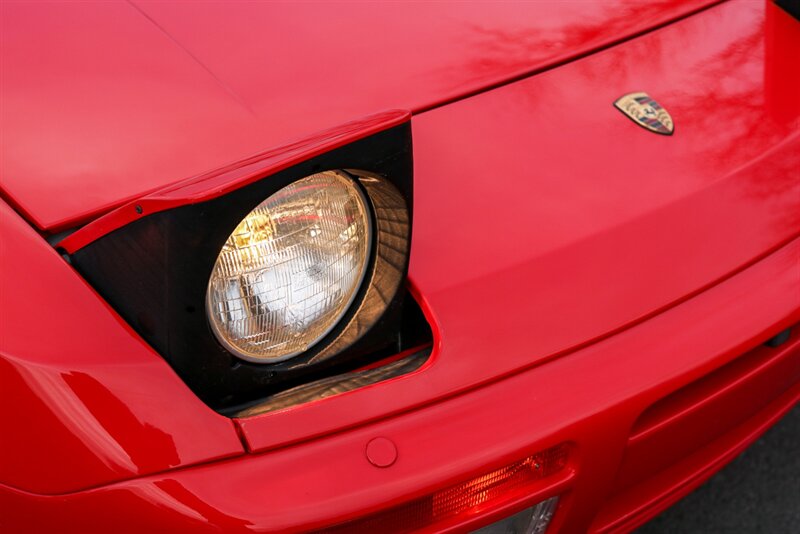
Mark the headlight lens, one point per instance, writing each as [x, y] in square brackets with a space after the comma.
[291, 269]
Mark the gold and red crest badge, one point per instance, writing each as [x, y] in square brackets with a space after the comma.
[646, 112]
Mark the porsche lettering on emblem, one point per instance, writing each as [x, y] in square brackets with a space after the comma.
[646, 112]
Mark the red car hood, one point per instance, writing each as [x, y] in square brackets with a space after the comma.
[545, 220]
[107, 101]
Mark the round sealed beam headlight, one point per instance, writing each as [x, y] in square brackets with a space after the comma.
[291, 269]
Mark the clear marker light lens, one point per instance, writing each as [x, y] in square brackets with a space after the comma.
[290, 270]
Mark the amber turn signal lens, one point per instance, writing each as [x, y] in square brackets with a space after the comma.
[464, 501]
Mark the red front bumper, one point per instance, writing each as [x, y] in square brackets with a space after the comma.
[644, 431]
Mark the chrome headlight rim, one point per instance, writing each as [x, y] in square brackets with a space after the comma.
[383, 281]
[390, 253]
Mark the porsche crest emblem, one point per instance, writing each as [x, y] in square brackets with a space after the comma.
[646, 112]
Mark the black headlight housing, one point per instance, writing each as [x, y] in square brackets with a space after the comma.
[155, 270]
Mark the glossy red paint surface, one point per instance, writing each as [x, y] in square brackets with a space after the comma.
[591, 398]
[577, 270]
[91, 402]
[232, 177]
[106, 101]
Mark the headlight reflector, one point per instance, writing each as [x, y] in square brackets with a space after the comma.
[291, 268]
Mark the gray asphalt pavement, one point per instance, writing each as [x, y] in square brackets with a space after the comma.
[759, 492]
